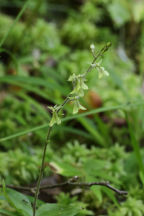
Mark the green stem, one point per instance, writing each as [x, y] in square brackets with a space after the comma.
[43, 160]
[41, 171]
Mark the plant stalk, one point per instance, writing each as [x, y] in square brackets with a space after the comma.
[41, 171]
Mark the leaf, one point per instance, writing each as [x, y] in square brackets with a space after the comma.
[92, 129]
[138, 11]
[135, 144]
[98, 193]
[19, 201]
[58, 210]
[7, 213]
[141, 175]
[66, 169]
[72, 130]
[94, 111]
[111, 195]
[119, 12]
[14, 23]
[33, 84]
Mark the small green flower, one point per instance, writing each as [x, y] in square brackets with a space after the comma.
[101, 70]
[72, 78]
[77, 106]
[55, 117]
[79, 84]
[82, 81]
[92, 47]
[78, 91]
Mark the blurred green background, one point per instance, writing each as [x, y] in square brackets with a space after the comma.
[41, 44]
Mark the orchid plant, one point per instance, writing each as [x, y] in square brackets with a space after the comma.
[79, 87]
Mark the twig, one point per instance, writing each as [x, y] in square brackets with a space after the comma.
[86, 184]
[17, 187]
[72, 181]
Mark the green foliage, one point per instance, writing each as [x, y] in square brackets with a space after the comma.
[119, 12]
[16, 4]
[19, 201]
[78, 32]
[39, 36]
[22, 166]
[23, 206]
[56, 209]
[65, 199]
[46, 44]
[131, 206]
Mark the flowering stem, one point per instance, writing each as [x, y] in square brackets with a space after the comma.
[56, 110]
[41, 171]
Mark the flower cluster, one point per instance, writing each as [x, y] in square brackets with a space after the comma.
[79, 86]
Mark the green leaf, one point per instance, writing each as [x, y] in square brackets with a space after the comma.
[98, 193]
[66, 169]
[92, 129]
[94, 111]
[119, 12]
[14, 23]
[58, 210]
[19, 201]
[138, 11]
[135, 144]
[7, 213]
[111, 195]
[141, 175]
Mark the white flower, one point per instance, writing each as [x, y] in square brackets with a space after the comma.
[102, 72]
[92, 47]
[93, 65]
